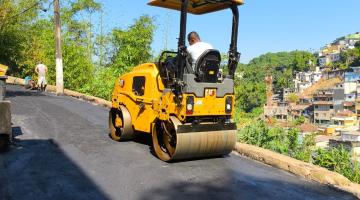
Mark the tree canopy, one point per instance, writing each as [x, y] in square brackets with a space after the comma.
[27, 38]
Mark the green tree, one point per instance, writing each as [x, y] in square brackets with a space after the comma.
[14, 34]
[338, 160]
[306, 147]
[300, 120]
[130, 47]
[293, 136]
[250, 90]
[293, 98]
[277, 140]
[250, 95]
[28, 39]
[261, 135]
[284, 79]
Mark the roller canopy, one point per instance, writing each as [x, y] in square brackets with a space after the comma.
[196, 6]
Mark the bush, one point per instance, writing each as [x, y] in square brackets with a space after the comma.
[255, 134]
[278, 140]
[304, 151]
[259, 134]
[338, 160]
[299, 120]
[293, 98]
[293, 135]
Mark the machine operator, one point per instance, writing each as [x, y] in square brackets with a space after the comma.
[197, 47]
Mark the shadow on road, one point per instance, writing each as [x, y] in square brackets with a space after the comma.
[14, 93]
[16, 131]
[239, 186]
[144, 139]
[40, 169]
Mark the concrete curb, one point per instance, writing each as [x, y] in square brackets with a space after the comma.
[15, 80]
[5, 126]
[5, 118]
[52, 88]
[283, 162]
[297, 167]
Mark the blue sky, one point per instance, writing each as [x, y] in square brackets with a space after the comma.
[265, 26]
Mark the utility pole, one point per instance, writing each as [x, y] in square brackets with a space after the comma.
[90, 37]
[58, 54]
[101, 39]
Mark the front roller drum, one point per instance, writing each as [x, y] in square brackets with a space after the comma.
[174, 141]
[120, 126]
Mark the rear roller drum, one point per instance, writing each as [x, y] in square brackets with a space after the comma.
[120, 126]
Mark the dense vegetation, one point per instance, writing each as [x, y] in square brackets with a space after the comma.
[251, 88]
[349, 58]
[287, 142]
[92, 61]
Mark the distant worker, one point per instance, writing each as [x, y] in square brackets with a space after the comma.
[41, 70]
[196, 47]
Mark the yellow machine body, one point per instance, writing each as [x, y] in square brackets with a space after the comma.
[187, 108]
[155, 104]
[150, 102]
[3, 70]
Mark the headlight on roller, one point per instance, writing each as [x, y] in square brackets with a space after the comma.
[189, 105]
[228, 104]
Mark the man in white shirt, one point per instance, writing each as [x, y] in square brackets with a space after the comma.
[196, 47]
[41, 70]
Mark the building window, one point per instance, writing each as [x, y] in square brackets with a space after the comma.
[316, 106]
[331, 107]
[138, 86]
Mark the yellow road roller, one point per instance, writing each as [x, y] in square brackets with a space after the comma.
[3, 77]
[3, 69]
[188, 110]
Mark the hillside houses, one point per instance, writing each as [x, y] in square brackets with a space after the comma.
[305, 80]
[328, 100]
[332, 52]
[326, 106]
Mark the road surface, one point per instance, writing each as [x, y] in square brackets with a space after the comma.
[62, 151]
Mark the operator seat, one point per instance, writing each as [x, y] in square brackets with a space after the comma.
[207, 66]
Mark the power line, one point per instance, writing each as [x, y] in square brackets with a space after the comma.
[24, 11]
[30, 8]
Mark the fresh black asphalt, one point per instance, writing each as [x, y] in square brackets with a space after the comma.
[62, 151]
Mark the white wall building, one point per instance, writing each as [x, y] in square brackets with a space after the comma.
[349, 87]
[305, 80]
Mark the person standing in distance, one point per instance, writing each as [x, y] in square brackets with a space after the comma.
[41, 71]
[197, 47]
